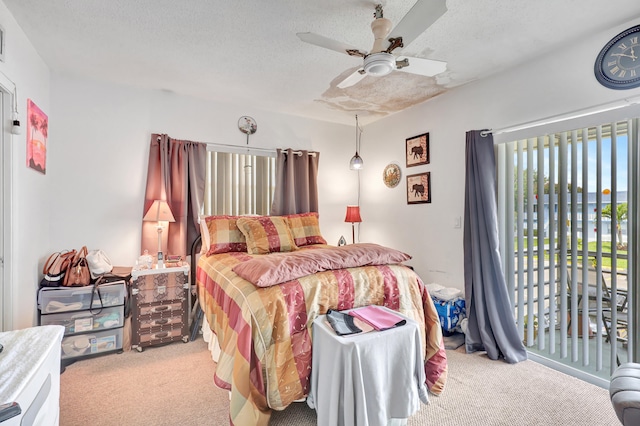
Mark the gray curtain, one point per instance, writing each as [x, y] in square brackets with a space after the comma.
[296, 188]
[491, 324]
[176, 173]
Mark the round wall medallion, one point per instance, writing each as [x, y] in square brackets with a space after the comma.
[247, 125]
[391, 175]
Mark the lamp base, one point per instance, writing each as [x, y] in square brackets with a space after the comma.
[160, 260]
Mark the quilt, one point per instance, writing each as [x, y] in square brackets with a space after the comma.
[265, 333]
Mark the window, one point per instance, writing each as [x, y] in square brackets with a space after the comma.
[563, 202]
[239, 184]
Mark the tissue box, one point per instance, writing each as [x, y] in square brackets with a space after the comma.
[450, 313]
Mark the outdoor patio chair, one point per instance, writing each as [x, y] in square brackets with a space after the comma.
[620, 328]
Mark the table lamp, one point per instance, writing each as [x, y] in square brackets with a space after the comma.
[353, 215]
[161, 213]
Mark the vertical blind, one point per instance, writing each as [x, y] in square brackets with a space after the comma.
[552, 193]
[238, 184]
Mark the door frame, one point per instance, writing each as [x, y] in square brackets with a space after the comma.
[6, 246]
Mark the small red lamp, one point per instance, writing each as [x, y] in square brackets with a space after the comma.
[353, 216]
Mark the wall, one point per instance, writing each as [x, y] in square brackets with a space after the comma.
[555, 84]
[31, 196]
[104, 133]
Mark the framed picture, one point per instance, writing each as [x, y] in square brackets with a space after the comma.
[419, 188]
[418, 150]
[37, 131]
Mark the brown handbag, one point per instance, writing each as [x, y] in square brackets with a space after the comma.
[78, 273]
[55, 268]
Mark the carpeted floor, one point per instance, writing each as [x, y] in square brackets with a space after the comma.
[173, 385]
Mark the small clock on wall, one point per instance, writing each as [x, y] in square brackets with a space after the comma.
[618, 64]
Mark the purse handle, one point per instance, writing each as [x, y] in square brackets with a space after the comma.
[50, 261]
[82, 253]
[54, 257]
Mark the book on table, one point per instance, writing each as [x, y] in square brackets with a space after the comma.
[378, 317]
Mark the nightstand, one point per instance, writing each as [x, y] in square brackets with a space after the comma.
[159, 305]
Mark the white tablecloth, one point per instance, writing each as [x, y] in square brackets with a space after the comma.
[366, 379]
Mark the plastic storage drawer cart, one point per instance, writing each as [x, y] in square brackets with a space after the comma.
[93, 318]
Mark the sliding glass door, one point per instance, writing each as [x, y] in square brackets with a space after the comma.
[567, 203]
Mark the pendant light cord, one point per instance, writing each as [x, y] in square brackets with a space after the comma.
[358, 135]
[358, 141]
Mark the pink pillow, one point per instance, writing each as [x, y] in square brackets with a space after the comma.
[265, 271]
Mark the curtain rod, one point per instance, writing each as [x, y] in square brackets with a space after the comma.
[621, 103]
[311, 153]
[240, 147]
[248, 148]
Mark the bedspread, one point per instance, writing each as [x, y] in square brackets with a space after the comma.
[265, 333]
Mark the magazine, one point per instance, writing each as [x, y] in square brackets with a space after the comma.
[378, 317]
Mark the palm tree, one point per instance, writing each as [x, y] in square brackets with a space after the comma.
[621, 214]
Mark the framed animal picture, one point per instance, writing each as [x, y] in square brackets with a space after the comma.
[419, 188]
[417, 150]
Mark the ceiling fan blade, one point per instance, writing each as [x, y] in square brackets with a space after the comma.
[352, 79]
[421, 16]
[428, 67]
[328, 43]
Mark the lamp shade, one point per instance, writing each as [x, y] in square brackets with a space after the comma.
[159, 212]
[353, 214]
[356, 162]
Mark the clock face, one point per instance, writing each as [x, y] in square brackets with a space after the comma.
[618, 64]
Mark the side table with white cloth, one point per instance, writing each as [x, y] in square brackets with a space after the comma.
[375, 378]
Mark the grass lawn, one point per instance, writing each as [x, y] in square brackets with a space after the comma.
[621, 264]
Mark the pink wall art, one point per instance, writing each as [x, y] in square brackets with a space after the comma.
[37, 130]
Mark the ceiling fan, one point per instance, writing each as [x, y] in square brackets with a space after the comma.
[381, 60]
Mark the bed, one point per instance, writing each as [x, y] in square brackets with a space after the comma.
[261, 281]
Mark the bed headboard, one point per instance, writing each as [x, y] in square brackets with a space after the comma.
[195, 250]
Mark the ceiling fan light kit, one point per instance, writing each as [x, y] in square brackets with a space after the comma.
[379, 64]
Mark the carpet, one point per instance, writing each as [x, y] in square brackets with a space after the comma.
[173, 385]
[454, 341]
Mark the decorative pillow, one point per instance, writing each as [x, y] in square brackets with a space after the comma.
[266, 234]
[220, 234]
[305, 229]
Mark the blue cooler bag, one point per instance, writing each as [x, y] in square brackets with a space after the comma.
[450, 313]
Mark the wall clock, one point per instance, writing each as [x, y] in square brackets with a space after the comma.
[618, 64]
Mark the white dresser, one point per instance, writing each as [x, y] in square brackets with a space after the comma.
[30, 374]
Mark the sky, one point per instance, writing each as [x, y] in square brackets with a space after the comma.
[621, 169]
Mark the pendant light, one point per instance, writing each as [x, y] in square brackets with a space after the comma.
[356, 162]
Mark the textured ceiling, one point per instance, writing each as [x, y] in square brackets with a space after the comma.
[247, 52]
